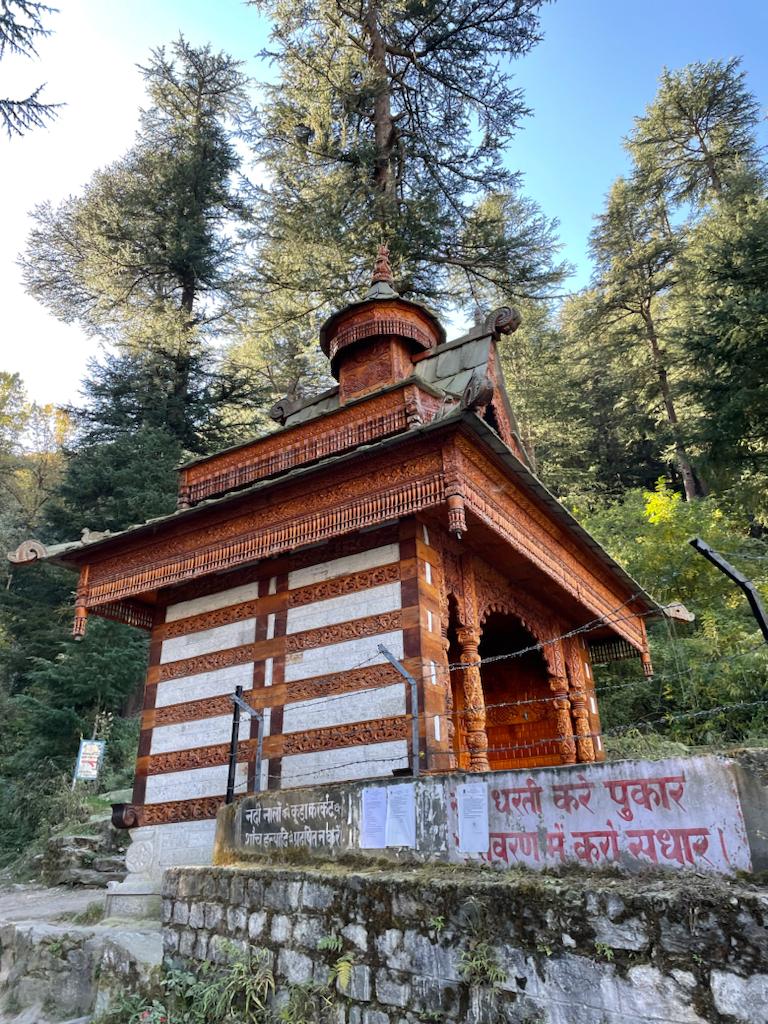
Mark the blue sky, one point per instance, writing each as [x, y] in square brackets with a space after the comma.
[596, 69]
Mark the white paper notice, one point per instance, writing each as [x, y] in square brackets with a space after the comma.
[401, 816]
[473, 817]
[373, 818]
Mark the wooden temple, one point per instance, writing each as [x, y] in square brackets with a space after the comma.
[398, 509]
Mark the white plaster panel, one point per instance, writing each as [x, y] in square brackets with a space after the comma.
[204, 684]
[219, 638]
[318, 661]
[209, 603]
[374, 601]
[361, 706]
[190, 785]
[363, 762]
[201, 733]
[185, 843]
[342, 566]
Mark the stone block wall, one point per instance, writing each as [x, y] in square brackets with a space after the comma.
[568, 949]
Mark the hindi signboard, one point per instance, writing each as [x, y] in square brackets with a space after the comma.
[89, 758]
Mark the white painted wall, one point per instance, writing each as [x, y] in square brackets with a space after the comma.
[342, 566]
[321, 767]
[219, 638]
[360, 706]
[209, 603]
[374, 601]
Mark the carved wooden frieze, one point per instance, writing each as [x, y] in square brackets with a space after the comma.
[502, 505]
[363, 579]
[371, 625]
[333, 684]
[339, 431]
[355, 734]
[179, 810]
[296, 518]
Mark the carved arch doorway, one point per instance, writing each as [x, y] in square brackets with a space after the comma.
[518, 696]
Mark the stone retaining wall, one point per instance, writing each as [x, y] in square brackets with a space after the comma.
[571, 949]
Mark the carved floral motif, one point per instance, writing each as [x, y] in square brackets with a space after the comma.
[355, 734]
[339, 632]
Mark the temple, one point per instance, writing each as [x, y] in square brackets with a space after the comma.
[397, 509]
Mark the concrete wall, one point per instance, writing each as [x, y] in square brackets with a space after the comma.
[678, 813]
[574, 949]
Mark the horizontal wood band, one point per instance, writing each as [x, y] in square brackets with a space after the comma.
[284, 457]
[311, 528]
[366, 678]
[349, 584]
[294, 643]
[379, 730]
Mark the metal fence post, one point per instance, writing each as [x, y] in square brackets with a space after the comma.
[415, 752]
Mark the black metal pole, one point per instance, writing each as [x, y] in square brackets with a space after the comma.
[415, 752]
[233, 747]
[259, 751]
[738, 578]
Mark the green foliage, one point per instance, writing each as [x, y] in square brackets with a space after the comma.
[722, 322]
[389, 123]
[697, 137]
[113, 486]
[478, 965]
[148, 255]
[604, 951]
[719, 660]
[332, 942]
[341, 970]
[306, 1004]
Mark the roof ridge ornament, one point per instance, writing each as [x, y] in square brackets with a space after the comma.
[382, 279]
[382, 270]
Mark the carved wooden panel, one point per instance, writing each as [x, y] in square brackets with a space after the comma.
[355, 734]
[179, 810]
[502, 505]
[363, 579]
[294, 520]
[371, 625]
[368, 677]
[381, 416]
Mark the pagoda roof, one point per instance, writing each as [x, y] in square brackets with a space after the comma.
[70, 554]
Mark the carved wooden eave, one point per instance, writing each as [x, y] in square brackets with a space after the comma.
[372, 418]
[456, 468]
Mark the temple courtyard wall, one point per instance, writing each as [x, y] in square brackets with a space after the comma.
[466, 946]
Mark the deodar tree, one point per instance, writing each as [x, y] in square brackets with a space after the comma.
[388, 122]
[148, 257]
[696, 139]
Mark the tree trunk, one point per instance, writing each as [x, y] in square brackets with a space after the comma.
[692, 483]
[383, 122]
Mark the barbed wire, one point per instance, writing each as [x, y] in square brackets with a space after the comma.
[585, 691]
[508, 748]
[598, 623]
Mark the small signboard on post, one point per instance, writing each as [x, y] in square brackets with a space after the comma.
[89, 758]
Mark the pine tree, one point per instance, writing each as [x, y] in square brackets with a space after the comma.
[697, 140]
[390, 124]
[148, 256]
[634, 251]
[21, 28]
[722, 322]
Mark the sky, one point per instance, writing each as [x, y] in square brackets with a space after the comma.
[596, 69]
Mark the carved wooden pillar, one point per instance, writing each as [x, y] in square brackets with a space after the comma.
[454, 493]
[474, 701]
[562, 717]
[81, 611]
[585, 748]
